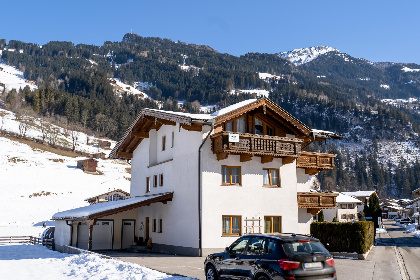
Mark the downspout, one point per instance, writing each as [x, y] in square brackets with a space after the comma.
[200, 253]
[71, 231]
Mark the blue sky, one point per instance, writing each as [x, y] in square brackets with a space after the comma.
[374, 30]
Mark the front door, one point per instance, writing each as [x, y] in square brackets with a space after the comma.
[147, 228]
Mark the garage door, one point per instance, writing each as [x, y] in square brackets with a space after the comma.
[83, 236]
[102, 235]
[127, 234]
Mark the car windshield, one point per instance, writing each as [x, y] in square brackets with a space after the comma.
[310, 247]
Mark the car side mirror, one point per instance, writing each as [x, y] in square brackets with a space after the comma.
[227, 251]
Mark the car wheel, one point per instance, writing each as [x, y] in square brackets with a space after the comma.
[211, 273]
[262, 277]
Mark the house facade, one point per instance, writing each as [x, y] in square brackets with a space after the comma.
[113, 195]
[203, 180]
[346, 210]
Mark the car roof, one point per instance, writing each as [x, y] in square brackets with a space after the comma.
[286, 237]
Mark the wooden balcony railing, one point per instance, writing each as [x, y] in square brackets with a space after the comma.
[314, 202]
[315, 162]
[259, 145]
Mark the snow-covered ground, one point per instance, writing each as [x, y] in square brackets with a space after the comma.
[12, 78]
[411, 228]
[34, 262]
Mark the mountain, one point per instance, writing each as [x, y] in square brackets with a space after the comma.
[305, 55]
[104, 87]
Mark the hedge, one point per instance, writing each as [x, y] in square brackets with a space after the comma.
[345, 237]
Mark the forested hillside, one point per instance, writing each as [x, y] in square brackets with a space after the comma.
[333, 92]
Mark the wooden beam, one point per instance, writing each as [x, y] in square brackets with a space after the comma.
[246, 157]
[140, 134]
[288, 160]
[221, 156]
[125, 155]
[266, 159]
[193, 127]
[167, 122]
[313, 211]
[311, 171]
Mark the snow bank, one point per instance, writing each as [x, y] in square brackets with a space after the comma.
[37, 262]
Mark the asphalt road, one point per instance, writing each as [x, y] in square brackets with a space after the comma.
[407, 246]
[395, 256]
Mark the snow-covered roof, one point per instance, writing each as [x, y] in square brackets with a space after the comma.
[359, 193]
[87, 212]
[203, 117]
[232, 107]
[343, 198]
[325, 134]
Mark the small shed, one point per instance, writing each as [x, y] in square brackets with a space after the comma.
[88, 165]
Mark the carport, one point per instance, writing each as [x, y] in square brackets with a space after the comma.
[101, 226]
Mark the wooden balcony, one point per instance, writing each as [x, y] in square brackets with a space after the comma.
[315, 202]
[315, 162]
[250, 145]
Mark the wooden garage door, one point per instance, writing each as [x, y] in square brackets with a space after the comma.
[127, 234]
[83, 236]
[102, 235]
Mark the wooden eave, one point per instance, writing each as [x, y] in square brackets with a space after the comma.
[164, 199]
[276, 112]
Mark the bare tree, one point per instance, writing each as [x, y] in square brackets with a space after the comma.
[45, 127]
[23, 127]
[53, 135]
[74, 136]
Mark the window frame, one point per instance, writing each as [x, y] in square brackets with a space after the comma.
[148, 187]
[230, 176]
[230, 225]
[173, 139]
[163, 143]
[155, 178]
[272, 224]
[269, 178]
[161, 180]
[160, 226]
[154, 225]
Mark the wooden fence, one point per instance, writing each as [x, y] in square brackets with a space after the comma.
[49, 243]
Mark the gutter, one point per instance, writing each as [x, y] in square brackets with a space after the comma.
[71, 231]
[200, 250]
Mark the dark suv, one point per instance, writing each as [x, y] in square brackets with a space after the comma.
[272, 256]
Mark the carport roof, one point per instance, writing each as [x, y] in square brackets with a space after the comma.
[100, 210]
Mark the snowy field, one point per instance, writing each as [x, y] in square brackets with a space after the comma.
[23, 262]
[12, 78]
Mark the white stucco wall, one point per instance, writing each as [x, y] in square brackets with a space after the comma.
[180, 175]
[62, 234]
[249, 200]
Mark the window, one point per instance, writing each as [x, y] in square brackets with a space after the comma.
[272, 224]
[154, 225]
[239, 246]
[231, 175]
[155, 178]
[256, 246]
[343, 206]
[147, 184]
[351, 206]
[351, 216]
[270, 131]
[160, 225]
[161, 179]
[231, 225]
[259, 127]
[240, 125]
[229, 126]
[173, 139]
[343, 216]
[163, 142]
[271, 177]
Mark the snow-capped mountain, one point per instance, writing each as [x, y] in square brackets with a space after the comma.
[305, 55]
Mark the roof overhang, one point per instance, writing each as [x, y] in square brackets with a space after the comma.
[100, 210]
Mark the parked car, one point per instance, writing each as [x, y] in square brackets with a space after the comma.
[405, 221]
[272, 256]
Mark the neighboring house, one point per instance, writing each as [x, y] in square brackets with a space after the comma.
[109, 196]
[391, 209]
[362, 196]
[199, 181]
[104, 144]
[87, 165]
[346, 210]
